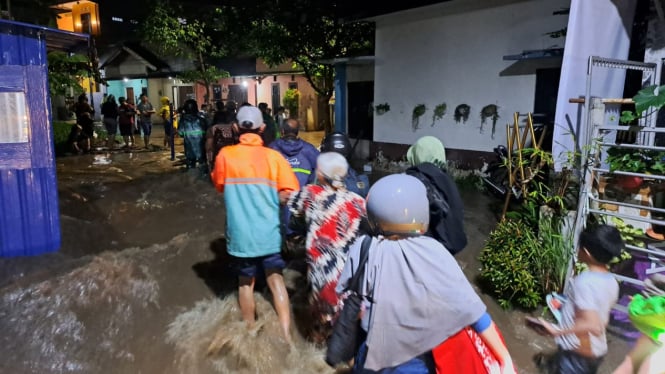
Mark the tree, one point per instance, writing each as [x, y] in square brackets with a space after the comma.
[189, 36]
[65, 72]
[305, 32]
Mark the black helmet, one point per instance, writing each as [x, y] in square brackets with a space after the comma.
[336, 142]
[190, 107]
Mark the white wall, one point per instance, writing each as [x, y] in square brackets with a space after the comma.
[457, 58]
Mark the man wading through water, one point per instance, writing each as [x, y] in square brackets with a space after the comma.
[252, 178]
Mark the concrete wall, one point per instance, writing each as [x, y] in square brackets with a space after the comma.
[444, 54]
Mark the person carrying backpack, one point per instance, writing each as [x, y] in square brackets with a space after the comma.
[427, 158]
[302, 156]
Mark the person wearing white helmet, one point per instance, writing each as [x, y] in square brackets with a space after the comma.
[419, 307]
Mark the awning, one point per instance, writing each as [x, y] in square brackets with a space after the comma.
[55, 39]
[536, 54]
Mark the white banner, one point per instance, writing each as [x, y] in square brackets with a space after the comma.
[595, 28]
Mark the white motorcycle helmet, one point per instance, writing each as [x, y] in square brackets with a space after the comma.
[397, 205]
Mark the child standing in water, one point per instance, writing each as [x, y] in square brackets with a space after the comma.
[585, 314]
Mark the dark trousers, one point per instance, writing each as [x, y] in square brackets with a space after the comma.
[569, 362]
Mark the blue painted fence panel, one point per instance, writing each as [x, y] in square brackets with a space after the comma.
[29, 213]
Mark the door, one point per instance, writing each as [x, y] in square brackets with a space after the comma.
[360, 115]
[544, 104]
[129, 94]
[276, 99]
[185, 93]
[237, 93]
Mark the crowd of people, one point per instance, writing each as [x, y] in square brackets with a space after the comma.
[420, 314]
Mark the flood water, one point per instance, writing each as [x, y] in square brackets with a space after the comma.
[142, 285]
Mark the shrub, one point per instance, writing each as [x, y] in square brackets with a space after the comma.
[60, 135]
[507, 265]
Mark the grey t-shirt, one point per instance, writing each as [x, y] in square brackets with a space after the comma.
[593, 291]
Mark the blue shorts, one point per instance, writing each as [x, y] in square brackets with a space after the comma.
[250, 266]
[146, 126]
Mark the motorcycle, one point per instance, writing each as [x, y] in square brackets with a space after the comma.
[496, 179]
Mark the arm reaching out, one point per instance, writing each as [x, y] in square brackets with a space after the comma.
[494, 341]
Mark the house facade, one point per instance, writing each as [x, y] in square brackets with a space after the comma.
[131, 70]
[473, 52]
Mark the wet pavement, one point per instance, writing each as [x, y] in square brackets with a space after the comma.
[141, 283]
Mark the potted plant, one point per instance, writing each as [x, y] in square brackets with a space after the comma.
[439, 112]
[382, 108]
[418, 112]
[634, 160]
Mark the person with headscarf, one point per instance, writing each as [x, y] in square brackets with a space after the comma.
[427, 158]
[421, 314]
[333, 217]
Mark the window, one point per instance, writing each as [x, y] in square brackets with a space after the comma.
[293, 85]
[14, 121]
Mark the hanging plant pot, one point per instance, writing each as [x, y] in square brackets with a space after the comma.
[629, 182]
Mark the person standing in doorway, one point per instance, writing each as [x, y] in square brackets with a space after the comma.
[253, 178]
[146, 111]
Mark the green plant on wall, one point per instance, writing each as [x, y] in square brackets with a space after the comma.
[291, 101]
[462, 112]
[489, 111]
[418, 111]
[382, 108]
[439, 112]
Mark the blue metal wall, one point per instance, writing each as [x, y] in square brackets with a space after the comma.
[29, 214]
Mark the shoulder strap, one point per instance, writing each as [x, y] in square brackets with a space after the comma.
[354, 283]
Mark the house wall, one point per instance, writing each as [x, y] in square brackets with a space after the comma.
[458, 58]
[118, 88]
[258, 92]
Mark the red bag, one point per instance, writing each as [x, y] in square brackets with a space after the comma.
[465, 353]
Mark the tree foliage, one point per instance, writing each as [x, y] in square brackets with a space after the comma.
[304, 32]
[171, 30]
[65, 72]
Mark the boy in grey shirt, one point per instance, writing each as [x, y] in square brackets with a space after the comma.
[590, 297]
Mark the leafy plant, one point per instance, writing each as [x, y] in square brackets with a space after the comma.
[418, 112]
[382, 108]
[462, 113]
[65, 72]
[489, 111]
[651, 96]
[439, 112]
[635, 160]
[555, 253]
[60, 136]
[291, 101]
[507, 265]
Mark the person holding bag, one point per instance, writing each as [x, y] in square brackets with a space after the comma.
[421, 314]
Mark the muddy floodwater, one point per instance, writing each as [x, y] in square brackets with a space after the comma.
[142, 285]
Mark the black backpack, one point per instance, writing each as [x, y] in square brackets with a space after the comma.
[446, 223]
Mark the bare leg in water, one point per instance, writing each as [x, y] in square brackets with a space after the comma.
[280, 298]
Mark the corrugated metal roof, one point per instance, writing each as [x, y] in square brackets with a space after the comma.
[55, 39]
